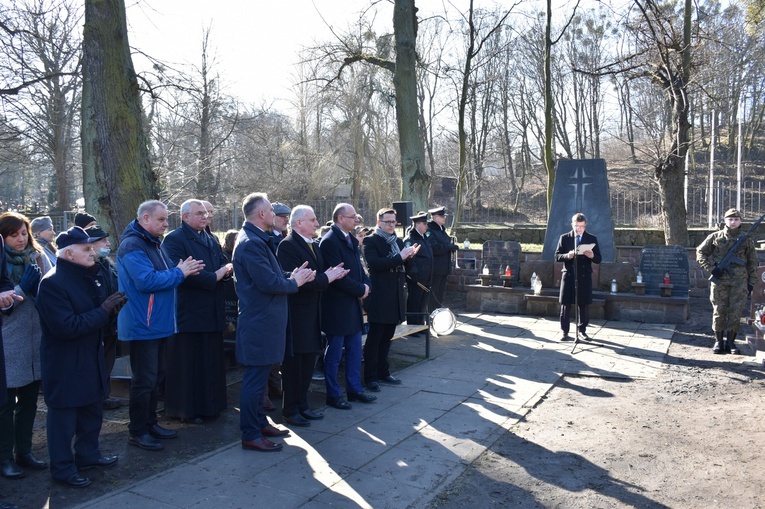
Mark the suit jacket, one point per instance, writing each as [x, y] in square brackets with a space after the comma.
[442, 247]
[200, 297]
[261, 330]
[387, 304]
[305, 305]
[341, 312]
[583, 268]
[73, 322]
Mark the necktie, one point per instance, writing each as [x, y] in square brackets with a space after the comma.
[578, 239]
[310, 245]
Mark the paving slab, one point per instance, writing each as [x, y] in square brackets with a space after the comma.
[416, 438]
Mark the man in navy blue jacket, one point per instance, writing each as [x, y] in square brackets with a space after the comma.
[342, 318]
[149, 279]
[75, 311]
[261, 331]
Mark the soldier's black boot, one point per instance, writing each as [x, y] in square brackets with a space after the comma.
[719, 343]
[730, 346]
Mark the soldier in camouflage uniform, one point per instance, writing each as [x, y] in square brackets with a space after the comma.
[728, 295]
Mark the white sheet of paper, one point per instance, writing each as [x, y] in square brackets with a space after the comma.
[581, 248]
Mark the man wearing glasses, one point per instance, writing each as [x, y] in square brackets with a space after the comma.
[196, 378]
[342, 315]
[385, 255]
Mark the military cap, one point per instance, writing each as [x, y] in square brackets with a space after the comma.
[439, 211]
[420, 217]
[732, 213]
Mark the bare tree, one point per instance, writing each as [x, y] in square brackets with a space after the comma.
[116, 165]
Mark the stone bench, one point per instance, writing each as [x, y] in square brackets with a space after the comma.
[548, 305]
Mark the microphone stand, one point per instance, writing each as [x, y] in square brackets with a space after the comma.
[576, 291]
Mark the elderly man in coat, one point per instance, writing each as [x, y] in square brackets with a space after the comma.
[296, 249]
[195, 379]
[74, 313]
[385, 255]
[262, 323]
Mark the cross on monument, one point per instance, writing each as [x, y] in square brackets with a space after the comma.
[580, 182]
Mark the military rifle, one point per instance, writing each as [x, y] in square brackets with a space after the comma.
[730, 258]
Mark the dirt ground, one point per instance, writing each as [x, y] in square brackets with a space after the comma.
[692, 438]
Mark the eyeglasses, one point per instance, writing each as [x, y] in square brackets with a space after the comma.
[202, 214]
[350, 217]
[389, 222]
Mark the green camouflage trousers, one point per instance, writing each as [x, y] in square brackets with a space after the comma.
[728, 300]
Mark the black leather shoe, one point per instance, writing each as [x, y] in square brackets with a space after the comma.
[74, 481]
[566, 337]
[158, 431]
[362, 397]
[102, 462]
[390, 379]
[10, 470]
[373, 387]
[31, 462]
[311, 415]
[584, 335]
[338, 403]
[146, 441]
[296, 420]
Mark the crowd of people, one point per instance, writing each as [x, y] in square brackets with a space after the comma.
[68, 305]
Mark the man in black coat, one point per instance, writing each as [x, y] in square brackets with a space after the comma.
[386, 256]
[443, 247]
[566, 252]
[74, 311]
[294, 250]
[342, 318]
[195, 380]
[419, 273]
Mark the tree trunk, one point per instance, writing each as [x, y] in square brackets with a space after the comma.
[117, 174]
[548, 105]
[414, 176]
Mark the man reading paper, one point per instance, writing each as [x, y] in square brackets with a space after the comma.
[580, 291]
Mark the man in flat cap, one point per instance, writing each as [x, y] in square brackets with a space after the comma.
[443, 247]
[42, 229]
[729, 292]
[74, 311]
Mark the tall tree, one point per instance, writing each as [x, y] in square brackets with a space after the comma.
[117, 173]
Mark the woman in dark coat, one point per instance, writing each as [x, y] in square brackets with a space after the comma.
[385, 255]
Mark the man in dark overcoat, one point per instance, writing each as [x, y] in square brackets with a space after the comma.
[443, 247]
[195, 379]
[75, 311]
[419, 272]
[566, 253]
[296, 249]
[386, 256]
[261, 330]
[342, 317]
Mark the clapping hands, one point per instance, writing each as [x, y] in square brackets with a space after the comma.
[303, 274]
[335, 273]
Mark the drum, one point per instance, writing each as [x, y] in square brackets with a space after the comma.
[442, 322]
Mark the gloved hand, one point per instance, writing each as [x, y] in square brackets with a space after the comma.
[114, 303]
[717, 272]
[749, 288]
[30, 279]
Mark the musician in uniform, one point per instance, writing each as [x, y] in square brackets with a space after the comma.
[419, 273]
[443, 247]
[732, 284]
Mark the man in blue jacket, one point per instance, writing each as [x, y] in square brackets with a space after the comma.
[75, 310]
[149, 280]
[261, 330]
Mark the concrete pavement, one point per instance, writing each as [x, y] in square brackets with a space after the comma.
[416, 438]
